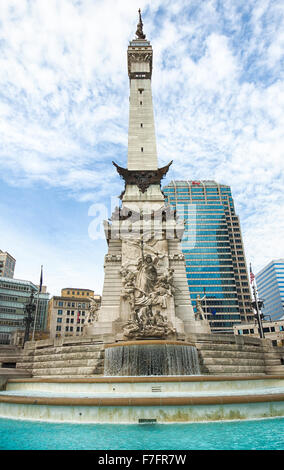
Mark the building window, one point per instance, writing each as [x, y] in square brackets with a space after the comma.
[59, 320]
[59, 312]
[60, 304]
[141, 125]
[142, 149]
[58, 328]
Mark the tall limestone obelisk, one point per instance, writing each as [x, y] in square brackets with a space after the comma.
[145, 293]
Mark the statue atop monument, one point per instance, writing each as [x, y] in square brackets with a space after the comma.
[139, 31]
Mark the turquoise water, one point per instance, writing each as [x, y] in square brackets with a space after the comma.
[267, 434]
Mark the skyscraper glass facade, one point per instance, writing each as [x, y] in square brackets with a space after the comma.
[270, 285]
[213, 249]
[14, 295]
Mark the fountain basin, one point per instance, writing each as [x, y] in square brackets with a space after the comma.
[126, 400]
[151, 358]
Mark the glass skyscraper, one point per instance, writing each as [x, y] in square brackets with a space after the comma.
[270, 286]
[214, 253]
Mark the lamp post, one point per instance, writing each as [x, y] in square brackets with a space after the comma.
[28, 319]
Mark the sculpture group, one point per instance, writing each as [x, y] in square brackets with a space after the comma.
[147, 293]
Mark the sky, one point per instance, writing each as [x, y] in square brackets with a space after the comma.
[218, 96]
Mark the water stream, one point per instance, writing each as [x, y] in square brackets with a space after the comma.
[151, 359]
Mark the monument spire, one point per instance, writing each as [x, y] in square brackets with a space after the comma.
[142, 153]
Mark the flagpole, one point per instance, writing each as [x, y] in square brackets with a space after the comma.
[252, 278]
[37, 302]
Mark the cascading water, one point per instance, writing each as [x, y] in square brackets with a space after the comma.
[151, 359]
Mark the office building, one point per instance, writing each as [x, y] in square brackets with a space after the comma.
[270, 286]
[67, 313]
[14, 295]
[7, 264]
[214, 252]
[273, 330]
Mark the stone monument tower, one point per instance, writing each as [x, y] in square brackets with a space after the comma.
[145, 293]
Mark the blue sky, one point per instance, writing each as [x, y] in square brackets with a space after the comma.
[218, 97]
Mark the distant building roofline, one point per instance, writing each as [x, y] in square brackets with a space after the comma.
[271, 263]
[203, 182]
[77, 288]
[7, 253]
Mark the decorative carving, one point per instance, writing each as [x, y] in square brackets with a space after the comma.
[200, 315]
[176, 257]
[147, 292]
[142, 178]
[148, 325]
[140, 57]
[165, 213]
[113, 258]
[92, 315]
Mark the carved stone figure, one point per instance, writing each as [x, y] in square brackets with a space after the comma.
[147, 292]
[128, 287]
[146, 275]
[92, 315]
[200, 315]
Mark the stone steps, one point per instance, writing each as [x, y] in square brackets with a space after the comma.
[229, 347]
[67, 363]
[62, 357]
[232, 361]
[275, 370]
[67, 371]
[64, 360]
[66, 349]
[224, 369]
[235, 354]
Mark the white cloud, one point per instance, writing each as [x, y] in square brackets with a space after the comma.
[217, 91]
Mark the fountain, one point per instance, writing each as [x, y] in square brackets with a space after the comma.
[151, 358]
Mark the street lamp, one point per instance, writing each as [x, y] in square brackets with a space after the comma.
[28, 319]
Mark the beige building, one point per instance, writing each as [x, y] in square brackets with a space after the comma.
[273, 330]
[67, 313]
[7, 264]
